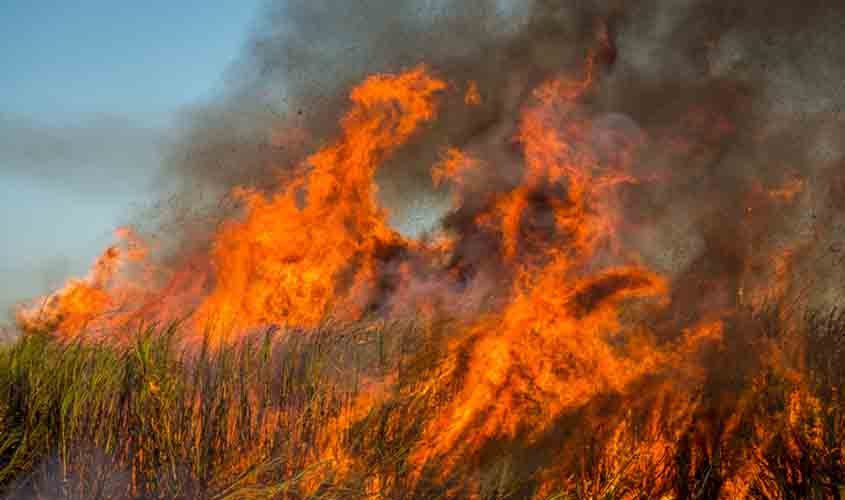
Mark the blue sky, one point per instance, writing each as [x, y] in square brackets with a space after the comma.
[86, 90]
[63, 60]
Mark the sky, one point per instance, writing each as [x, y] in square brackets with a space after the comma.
[88, 90]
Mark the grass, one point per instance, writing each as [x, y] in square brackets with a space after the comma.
[278, 415]
[154, 419]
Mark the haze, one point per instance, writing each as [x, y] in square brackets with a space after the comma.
[88, 91]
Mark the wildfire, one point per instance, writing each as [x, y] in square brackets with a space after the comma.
[575, 314]
[87, 303]
[316, 243]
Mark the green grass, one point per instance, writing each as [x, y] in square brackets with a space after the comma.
[170, 421]
[159, 418]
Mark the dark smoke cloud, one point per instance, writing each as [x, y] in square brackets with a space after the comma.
[290, 86]
[772, 70]
[752, 89]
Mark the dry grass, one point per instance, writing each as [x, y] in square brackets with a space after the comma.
[156, 419]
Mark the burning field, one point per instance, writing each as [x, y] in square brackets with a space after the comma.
[483, 250]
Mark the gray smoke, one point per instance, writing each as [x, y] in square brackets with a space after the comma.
[103, 156]
[729, 98]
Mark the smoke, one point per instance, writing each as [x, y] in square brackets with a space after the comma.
[290, 87]
[724, 120]
[106, 156]
[767, 72]
[661, 60]
[731, 126]
[94, 474]
[60, 176]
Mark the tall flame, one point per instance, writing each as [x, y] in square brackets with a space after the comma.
[572, 312]
[315, 244]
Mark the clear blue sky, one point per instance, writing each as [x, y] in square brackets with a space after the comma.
[63, 60]
[85, 89]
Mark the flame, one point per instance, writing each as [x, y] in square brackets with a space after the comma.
[555, 336]
[312, 245]
[282, 263]
[562, 312]
[472, 96]
[89, 303]
[789, 190]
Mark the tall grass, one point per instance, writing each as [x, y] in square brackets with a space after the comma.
[155, 419]
[162, 418]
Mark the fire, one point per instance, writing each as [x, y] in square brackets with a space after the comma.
[472, 96]
[789, 191]
[316, 243]
[86, 304]
[555, 335]
[312, 245]
[566, 319]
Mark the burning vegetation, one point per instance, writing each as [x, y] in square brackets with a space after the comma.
[619, 300]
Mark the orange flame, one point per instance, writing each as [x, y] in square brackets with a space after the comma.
[84, 304]
[566, 326]
[555, 335]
